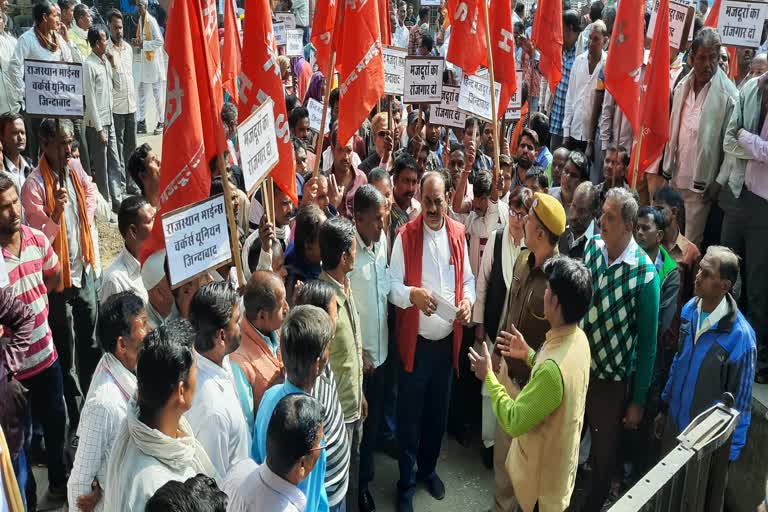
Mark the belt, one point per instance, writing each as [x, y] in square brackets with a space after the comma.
[422, 339]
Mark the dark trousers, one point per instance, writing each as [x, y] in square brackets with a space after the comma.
[32, 125]
[555, 141]
[75, 340]
[604, 412]
[107, 172]
[576, 145]
[355, 435]
[745, 231]
[465, 409]
[46, 406]
[422, 411]
[375, 387]
[125, 133]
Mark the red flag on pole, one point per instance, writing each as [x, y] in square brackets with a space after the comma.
[385, 22]
[322, 32]
[360, 65]
[547, 37]
[260, 80]
[193, 133]
[623, 69]
[230, 65]
[467, 48]
[713, 15]
[654, 104]
[503, 41]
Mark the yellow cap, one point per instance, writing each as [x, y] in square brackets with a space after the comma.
[550, 212]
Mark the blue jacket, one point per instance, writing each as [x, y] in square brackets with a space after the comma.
[723, 359]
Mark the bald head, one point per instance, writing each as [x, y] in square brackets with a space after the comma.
[264, 292]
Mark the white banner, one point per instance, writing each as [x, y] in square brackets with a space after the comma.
[287, 18]
[741, 23]
[53, 89]
[447, 113]
[196, 239]
[423, 79]
[279, 30]
[315, 109]
[678, 11]
[513, 109]
[394, 69]
[294, 42]
[258, 145]
[475, 96]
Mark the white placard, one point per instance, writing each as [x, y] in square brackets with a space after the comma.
[430, 3]
[258, 145]
[475, 96]
[287, 18]
[678, 11]
[196, 239]
[423, 80]
[279, 30]
[514, 106]
[741, 23]
[294, 43]
[315, 109]
[394, 69]
[447, 113]
[53, 89]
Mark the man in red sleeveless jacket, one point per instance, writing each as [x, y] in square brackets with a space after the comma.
[429, 268]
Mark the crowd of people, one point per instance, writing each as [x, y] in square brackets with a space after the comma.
[555, 319]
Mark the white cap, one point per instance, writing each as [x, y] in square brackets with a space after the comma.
[153, 270]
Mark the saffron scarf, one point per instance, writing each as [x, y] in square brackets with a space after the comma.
[60, 244]
[147, 36]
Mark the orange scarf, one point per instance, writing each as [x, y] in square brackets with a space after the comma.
[60, 245]
[147, 36]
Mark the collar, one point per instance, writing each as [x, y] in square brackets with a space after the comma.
[211, 369]
[681, 242]
[589, 233]
[131, 263]
[341, 289]
[251, 332]
[10, 165]
[713, 319]
[282, 487]
[629, 256]
[431, 232]
[560, 332]
[361, 244]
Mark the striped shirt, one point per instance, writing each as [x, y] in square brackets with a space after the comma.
[26, 272]
[558, 105]
[336, 440]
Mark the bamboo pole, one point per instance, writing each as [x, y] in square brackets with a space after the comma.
[326, 96]
[494, 114]
[636, 166]
[234, 238]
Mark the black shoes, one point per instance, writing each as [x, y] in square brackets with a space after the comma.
[159, 128]
[404, 504]
[435, 487]
[141, 128]
[366, 502]
[488, 457]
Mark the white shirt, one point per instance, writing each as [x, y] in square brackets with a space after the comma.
[400, 37]
[258, 489]
[580, 96]
[216, 417]
[437, 276]
[18, 176]
[151, 70]
[98, 84]
[123, 274]
[29, 48]
[327, 160]
[481, 227]
[7, 49]
[104, 411]
[125, 97]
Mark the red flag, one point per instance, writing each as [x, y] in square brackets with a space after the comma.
[360, 65]
[193, 133]
[654, 104]
[547, 37]
[230, 66]
[322, 32]
[625, 60]
[385, 22]
[503, 51]
[713, 15]
[467, 48]
[259, 81]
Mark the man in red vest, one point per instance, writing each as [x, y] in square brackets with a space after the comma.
[434, 289]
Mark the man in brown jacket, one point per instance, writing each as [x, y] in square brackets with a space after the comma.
[524, 311]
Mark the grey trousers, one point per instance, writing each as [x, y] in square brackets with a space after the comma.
[105, 163]
[355, 436]
[125, 133]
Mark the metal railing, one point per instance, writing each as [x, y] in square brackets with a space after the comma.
[693, 476]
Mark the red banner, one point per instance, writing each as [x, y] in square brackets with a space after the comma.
[503, 51]
[230, 65]
[322, 32]
[547, 37]
[467, 48]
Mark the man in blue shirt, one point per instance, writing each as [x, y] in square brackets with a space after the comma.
[571, 30]
[304, 340]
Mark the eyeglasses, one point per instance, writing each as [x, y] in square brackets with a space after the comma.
[383, 133]
[518, 215]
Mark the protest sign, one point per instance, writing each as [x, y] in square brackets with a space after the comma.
[475, 96]
[196, 239]
[315, 109]
[513, 109]
[279, 30]
[258, 145]
[423, 79]
[447, 113]
[287, 18]
[678, 12]
[394, 69]
[294, 45]
[430, 3]
[53, 89]
[741, 23]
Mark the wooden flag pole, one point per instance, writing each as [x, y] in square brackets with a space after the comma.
[319, 144]
[495, 121]
[234, 238]
[636, 166]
